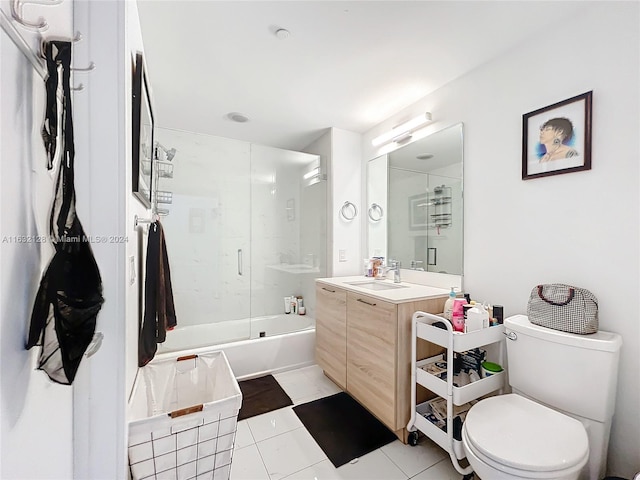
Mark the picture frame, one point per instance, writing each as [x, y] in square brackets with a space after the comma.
[419, 211]
[142, 134]
[557, 139]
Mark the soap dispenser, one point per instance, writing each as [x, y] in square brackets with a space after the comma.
[448, 305]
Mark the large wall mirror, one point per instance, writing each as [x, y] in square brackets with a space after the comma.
[414, 200]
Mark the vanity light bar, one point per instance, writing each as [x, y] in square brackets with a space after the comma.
[312, 173]
[401, 131]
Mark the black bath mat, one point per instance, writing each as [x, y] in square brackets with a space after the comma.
[343, 428]
[261, 395]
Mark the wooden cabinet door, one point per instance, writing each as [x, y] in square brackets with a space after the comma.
[371, 355]
[331, 332]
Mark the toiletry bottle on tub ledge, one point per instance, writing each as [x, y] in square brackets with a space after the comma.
[287, 305]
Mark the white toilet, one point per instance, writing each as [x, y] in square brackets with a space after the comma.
[556, 423]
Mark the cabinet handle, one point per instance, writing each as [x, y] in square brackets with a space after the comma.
[332, 291]
[239, 261]
[372, 304]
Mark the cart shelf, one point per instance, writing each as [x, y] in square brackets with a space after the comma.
[461, 341]
[436, 434]
[461, 395]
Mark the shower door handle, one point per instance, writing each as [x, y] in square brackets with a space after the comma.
[432, 255]
[239, 261]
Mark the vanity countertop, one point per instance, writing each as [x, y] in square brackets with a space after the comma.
[396, 293]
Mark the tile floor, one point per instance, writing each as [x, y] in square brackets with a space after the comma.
[276, 445]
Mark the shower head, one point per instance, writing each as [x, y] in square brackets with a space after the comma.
[170, 154]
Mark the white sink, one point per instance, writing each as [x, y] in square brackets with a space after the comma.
[376, 285]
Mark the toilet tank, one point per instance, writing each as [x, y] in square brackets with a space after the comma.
[574, 373]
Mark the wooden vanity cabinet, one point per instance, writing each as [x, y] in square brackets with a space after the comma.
[364, 345]
[372, 340]
[331, 333]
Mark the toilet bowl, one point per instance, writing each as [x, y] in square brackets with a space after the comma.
[511, 437]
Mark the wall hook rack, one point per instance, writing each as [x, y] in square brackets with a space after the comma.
[36, 58]
[90, 68]
[143, 221]
[76, 39]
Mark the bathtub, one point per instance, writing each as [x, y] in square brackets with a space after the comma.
[288, 343]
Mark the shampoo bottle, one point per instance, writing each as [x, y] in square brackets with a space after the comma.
[475, 319]
[485, 316]
[457, 319]
[448, 305]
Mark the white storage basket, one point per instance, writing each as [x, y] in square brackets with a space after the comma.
[183, 417]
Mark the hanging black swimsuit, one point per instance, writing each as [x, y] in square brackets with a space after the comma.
[64, 313]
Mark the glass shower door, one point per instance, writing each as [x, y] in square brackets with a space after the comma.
[208, 236]
[288, 233]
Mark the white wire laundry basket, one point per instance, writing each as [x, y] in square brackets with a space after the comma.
[183, 418]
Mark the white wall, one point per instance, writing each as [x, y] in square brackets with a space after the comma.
[580, 228]
[346, 185]
[376, 191]
[35, 413]
[343, 153]
[137, 244]
[103, 152]
[322, 146]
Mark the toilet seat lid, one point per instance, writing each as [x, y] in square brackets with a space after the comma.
[515, 431]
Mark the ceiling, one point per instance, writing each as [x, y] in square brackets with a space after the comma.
[348, 65]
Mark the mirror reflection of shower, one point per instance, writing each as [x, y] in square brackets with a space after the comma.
[162, 168]
[247, 229]
[167, 154]
[419, 186]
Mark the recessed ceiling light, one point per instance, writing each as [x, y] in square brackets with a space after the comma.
[424, 156]
[237, 117]
[282, 33]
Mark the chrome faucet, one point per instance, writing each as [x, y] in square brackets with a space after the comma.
[395, 266]
[417, 265]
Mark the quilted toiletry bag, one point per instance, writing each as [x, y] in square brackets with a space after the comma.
[563, 307]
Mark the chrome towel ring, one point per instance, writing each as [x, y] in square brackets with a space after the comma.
[349, 211]
[375, 212]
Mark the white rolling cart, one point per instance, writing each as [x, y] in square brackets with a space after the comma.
[422, 327]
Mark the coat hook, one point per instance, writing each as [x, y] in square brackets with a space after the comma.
[92, 66]
[16, 13]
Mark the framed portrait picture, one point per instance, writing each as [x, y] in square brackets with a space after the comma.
[557, 139]
[142, 138]
[419, 211]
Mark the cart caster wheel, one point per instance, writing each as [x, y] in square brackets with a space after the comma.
[413, 438]
[468, 476]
